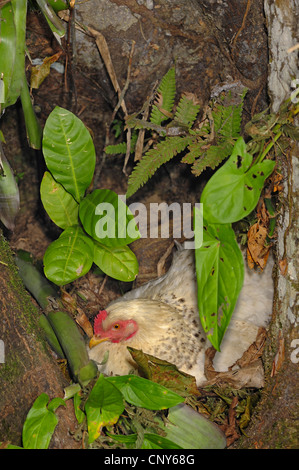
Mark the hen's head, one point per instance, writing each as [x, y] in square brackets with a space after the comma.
[109, 329]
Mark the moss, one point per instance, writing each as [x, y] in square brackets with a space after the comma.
[11, 369]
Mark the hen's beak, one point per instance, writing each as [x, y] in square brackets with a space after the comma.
[96, 340]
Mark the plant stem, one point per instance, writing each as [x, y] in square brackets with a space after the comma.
[33, 128]
[268, 148]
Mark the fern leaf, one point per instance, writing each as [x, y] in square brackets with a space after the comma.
[166, 91]
[153, 159]
[195, 151]
[115, 149]
[187, 110]
[122, 146]
[227, 119]
[230, 125]
[135, 123]
[213, 157]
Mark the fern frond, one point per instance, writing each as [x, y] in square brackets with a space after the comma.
[153, 159]
[136, 123]
[229, 124]
[122, 146]
[195, 151]
[166, 91]
[213, 157]
[227, 119]
[115, 149]
[187, 110]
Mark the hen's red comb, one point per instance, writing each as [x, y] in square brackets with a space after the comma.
[101, 316]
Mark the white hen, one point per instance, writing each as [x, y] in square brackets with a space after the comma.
[161, 318]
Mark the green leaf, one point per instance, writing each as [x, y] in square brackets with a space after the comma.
[103, 407]
[153, 159]
[69, 257]
[150, 441]
[234, 190]
[129, 440]
[227, 118]
[12, 49]
[80, 415]
[167, 91]
[220, 273]
[54, 22]
[119, 263]
[107, 219]
[33, 127]
[9, 446]
[191, 430]
[9, 193]
[154, 441]
[117, 148]
[164, 373]
[40, 422]
[69, 151]
[212, 157]
[59, 204]
[186, 111]
[58, 5]
[144, 393]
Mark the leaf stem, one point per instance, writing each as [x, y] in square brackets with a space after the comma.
[268, 148]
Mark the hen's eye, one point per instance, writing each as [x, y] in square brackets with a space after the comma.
[116, 326]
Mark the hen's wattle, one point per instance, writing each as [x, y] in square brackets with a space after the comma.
[161, 318]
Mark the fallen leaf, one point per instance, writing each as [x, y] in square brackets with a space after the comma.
[256, 249]
[40, 72]
[251, 374]
[255, 350]
[83, 322]
[164, 373]
[230, 428]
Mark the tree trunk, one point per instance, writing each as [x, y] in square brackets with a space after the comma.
[27, 368]
[276, 422]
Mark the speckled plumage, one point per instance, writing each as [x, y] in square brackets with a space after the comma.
[169, 327]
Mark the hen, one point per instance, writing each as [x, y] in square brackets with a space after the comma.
[161, 318]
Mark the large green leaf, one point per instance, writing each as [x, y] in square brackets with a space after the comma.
[234, 190]
[69, 257]
[103, 407]
[220, 275]
[69, 151]
[12, 49]
[119, 263]
[9, 193]
[191, 430]
[107, 219]
[59, 204]
[56, 25]
[40, 422]
[145, 393]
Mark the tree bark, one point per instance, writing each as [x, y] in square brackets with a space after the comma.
[27, 368]
[275, 425]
